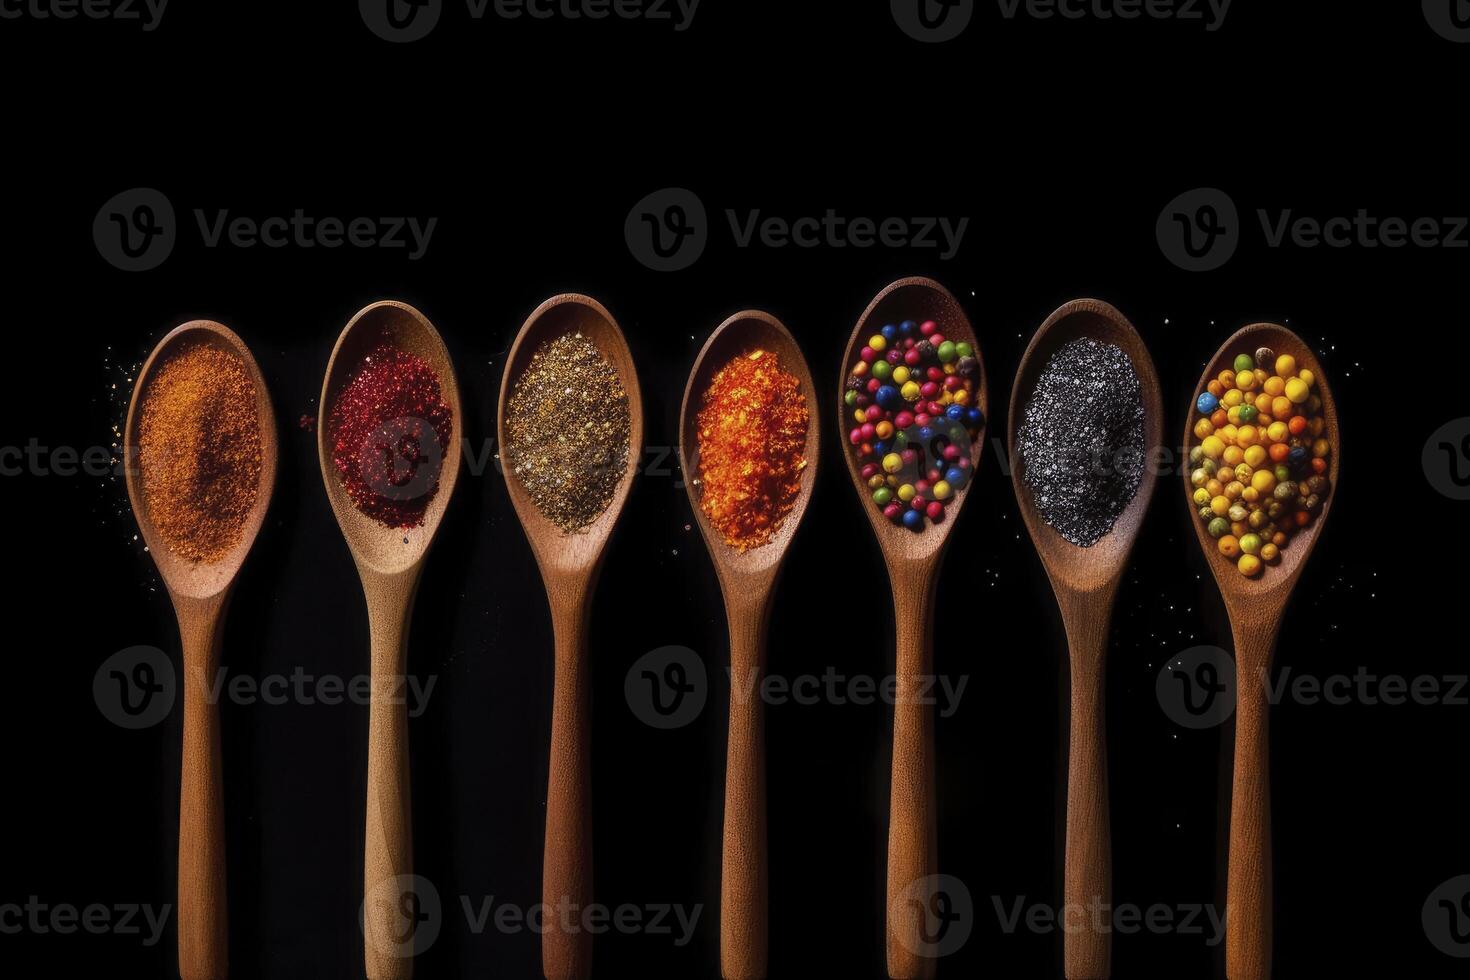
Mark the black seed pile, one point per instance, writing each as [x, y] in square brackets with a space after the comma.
[1081, 439]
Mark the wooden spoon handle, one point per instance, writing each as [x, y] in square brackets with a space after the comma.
[1248, 895]
[388, 851]
[912, 840]
[566, 876]
[203, 922]
[743, 881]
[1087, 946]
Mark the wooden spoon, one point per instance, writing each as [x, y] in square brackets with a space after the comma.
[569, 565]
[1255, 606]
[389, 561]
[913, 561]
[747, 580]
[200, 593]
[1086, 582]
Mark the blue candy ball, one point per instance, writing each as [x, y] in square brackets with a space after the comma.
[907, 327]
[889, 332]
[926, 433]
[881, 447]
[955, 477]
[973, 416]
[955, 413]
[1297, 459]
[1207, 403]
[912, 519]
[888, 397]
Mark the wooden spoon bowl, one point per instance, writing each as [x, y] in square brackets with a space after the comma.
[919, 299]
[1085, 581]
[182, 577]
[390, 562]
[569, 564]
[747, 580]
[1256, 606]
[373, 544]
[200, 592]
[1275, 583]
[913, 560]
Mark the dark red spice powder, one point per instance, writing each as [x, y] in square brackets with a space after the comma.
[390, 430]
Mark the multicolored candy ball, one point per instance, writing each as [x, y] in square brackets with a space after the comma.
[912, 398]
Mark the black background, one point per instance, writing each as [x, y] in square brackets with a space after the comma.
[530, 142]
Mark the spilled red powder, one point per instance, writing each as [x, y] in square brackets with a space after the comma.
[390, 429]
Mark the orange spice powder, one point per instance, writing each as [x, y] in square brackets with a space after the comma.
[752, 434]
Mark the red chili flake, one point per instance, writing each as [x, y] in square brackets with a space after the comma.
[752, 436]
[390, 429]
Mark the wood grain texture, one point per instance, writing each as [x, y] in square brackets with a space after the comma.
[390, 562]
[570, 564]
[747, 583]
[1085, 581]
[1256, 606]
[200, 593]
[913, 561]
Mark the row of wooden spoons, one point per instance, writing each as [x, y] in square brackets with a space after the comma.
[390, 560]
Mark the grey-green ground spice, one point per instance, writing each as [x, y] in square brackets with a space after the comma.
[567, 429]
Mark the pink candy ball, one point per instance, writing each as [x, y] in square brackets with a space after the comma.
[928, 327]
[868, 431]
[855, 436]
[892, 511]
[903, 420]
[935, 510]
[912, 357]
[867, 354]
